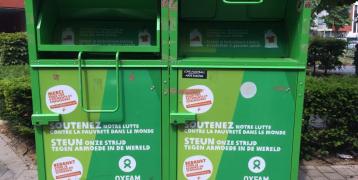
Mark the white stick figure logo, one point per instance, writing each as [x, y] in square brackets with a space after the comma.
[127, 164]
[257, 164]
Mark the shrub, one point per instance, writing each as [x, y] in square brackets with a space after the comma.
[13, 49]
[335, 100]
[15, 98]
[10, 72]
[355, 62]
[326, 53]
[17, 104]
[14, 71]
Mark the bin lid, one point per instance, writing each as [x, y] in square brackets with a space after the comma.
[221, 10]
[106, 9]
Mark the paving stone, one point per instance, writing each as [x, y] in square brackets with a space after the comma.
[9, 175]
[308, 167]
[314, 173]
[325, 169]
[352, 178]
[320, 178]
[334, 176]
[2, 143]
[28, 175]
[304, 176]
[7, 157]
[344, 170]
[14, 164]
[5, 138]
[3, 169]
[354, 169]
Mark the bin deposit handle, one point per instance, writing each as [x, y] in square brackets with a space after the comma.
[243, 2]
[81, 88]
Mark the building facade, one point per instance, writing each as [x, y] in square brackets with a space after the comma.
[12, 16]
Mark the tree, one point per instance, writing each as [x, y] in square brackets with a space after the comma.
[356, 59]
[338, 11]
[326, 53]
[320, 5]
[338, 17]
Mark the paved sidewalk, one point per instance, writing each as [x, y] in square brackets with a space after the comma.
[13, 167]
[329, 172]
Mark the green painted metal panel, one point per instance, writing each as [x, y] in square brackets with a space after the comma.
[233, 10]
[242, 29]
[249, 114]
[232, 39]
[221, 55]
[93, 147]
[139, 130]
[98, 26]
[226, 47]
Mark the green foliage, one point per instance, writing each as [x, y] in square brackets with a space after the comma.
[355, 62]
[14, 71]
[13, 49]
[338, 17]
[15, 99]
[326, 53]
[334, 99]
[338, 11]
[320, 5]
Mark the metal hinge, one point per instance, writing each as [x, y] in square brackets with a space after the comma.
[181, 118]
[44, 119]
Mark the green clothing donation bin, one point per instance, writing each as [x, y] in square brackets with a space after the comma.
[237, 79]
[168, 90]
[98, 71]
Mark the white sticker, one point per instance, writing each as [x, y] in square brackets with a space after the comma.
[144, 38]
[67, 168]
[256, 164]
[198, 99]
[196, 39]
[248, 90]
[270, 39]
[61, 99]
[127, 164]
[197, 167]
[68, 36]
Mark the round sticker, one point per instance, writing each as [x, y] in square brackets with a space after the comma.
[198, 99]
[61, 99]
[248, 90]
[127, 164]
[197, 167]
[67, 168]
[257, 164]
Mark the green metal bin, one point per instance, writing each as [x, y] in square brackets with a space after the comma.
[99, 72]
[170, 89]
[237, 78]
